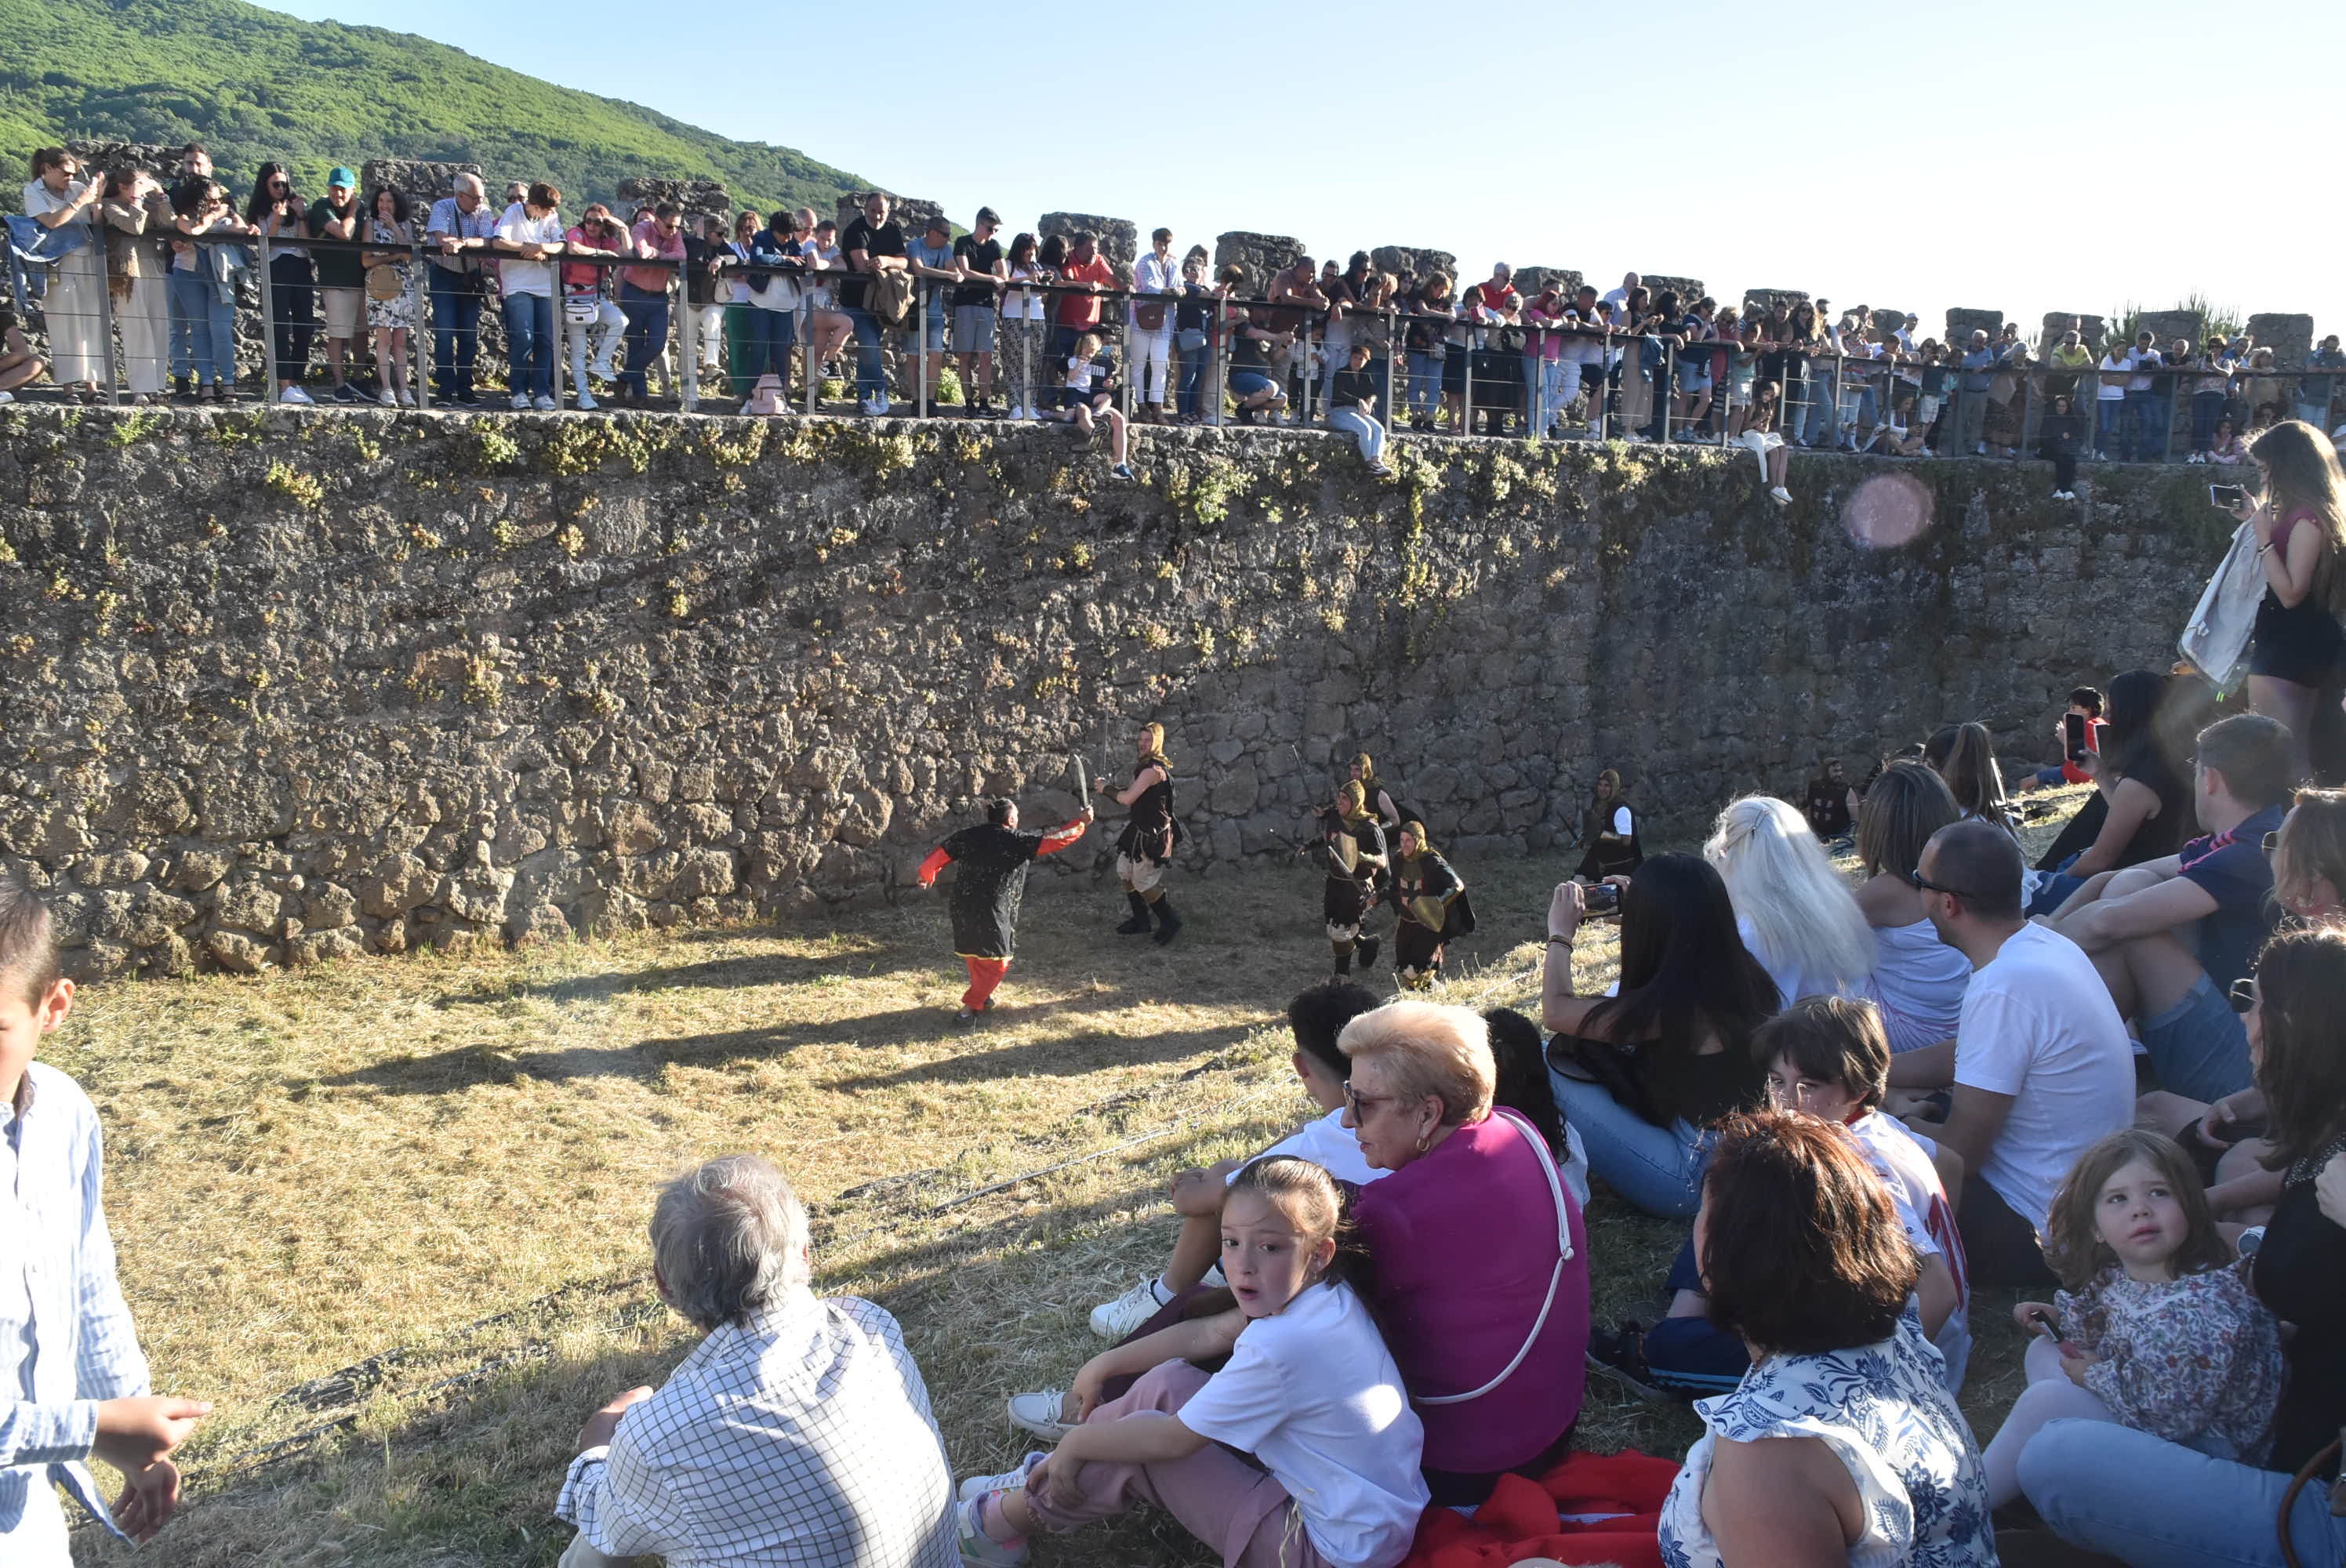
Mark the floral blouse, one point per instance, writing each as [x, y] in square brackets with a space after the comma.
[2190, 1360]
[1886, 1414]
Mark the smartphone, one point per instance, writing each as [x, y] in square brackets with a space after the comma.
[2044, 1326]
[2072, 733]
[2227, 496]
[1605, 898]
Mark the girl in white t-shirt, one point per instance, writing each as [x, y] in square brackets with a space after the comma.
[1310, 1391]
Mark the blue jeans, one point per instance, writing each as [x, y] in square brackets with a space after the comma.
[530, 344]
[766, 337]
[1368, 433]
[2157, 1505]
[2206, 408]
[870, 373]
[455, 335]
[1425, 383]
[2143, 417]
[646, 314]
[2157, 427]
[1822, 426]
[203, 329]
[2198, 1047]
[1657, 1169]
[2107, 413]
[1193, 374]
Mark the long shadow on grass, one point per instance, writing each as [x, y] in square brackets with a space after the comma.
[738, 972]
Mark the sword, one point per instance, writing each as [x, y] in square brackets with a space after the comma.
[1083, 785]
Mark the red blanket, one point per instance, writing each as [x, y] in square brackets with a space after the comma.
[1522, 1520]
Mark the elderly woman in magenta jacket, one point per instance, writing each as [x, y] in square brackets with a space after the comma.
[1487, 1322]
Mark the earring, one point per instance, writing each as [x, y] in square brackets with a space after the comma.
[1423, 1139]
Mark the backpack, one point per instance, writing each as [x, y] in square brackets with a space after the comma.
[889, 297]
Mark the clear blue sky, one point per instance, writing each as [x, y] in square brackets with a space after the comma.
[2017, 155]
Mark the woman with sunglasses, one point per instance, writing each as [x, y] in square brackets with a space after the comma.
[1489, 1323]
[2309, 864]
[2147, 1501]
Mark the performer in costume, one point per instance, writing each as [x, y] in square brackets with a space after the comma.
[1431, 899]
[988, 889]
[1146, 846]
[1379, 798]
[1354, 844]
[1609, 830]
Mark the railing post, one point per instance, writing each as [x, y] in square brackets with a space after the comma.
[105, 326]
[1217, 324]
[920, 348]
[269, 344]
[808, 359]
[2167, 436]
[687, 356]
[1669, 390]
[1604, 420]
[516, 375]
[419, 340]
[1124, 352]
[1393, 352]
[1466, 398]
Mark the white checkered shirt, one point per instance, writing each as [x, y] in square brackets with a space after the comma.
[803, 1439]
[65, 1339]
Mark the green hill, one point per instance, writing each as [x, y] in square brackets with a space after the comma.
[253, 85]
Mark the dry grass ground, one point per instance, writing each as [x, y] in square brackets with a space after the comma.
[389, 1216]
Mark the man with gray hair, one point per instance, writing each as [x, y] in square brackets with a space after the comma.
[799, 1432]
[459, 229]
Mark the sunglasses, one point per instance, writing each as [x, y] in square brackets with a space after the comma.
[2243, 993]
[1359, 1102]
[1928, 886]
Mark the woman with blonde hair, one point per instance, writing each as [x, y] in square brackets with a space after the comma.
[1489, 1324]
[2298, 506]
[1964, 755]
[1794, 913]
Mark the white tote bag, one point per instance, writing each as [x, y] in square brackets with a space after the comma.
[2216, 641]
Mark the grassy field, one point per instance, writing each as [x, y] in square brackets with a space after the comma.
[390, 1215]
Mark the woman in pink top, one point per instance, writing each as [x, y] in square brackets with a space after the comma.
[1479, 1257]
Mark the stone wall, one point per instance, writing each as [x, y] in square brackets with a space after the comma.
[1261, 255]
[281, 687]
[1117, 238]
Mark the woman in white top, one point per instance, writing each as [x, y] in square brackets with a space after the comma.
[528, 237]
[1022, 328]
[733, 293]
[1154, 274]
[1310, 1392]
[1918, 980]
[1794, 913]
[1840, 1444]
[62, 195]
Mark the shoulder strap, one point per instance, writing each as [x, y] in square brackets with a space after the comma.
[1556, 1276]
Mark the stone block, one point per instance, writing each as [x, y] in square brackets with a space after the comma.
[314, 947]
[252, 905]
[1235, 792]
[422, 180]
[237, 954]
[911, 211]
[1118, 239]
[2093, 327]
[1687, 290]
[1759, 301]
[2290, 337]
[1530, 282]
[693, 197]
[1261, 254]
[1410, 263]
[2169, 325]
[1962, 322]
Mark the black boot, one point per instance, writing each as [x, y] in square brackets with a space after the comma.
[1368, 948]
[1138, 925]
[1169, 925]
[1344, 950]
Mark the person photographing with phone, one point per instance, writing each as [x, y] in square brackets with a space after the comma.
[2298, 503]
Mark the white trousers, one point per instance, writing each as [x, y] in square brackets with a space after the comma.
[608, 323]
[1149, 354]
[145, 323]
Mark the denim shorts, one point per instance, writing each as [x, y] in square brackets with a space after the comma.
[932, 333]
[2198, 1047]
[1694, 378]
[1247, 383]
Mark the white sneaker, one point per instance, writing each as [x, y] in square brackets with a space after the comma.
[586, 403]
[296, 395]
[545, 405]
[979, 1550]
[977, 1486]
[1039, 1413]
[601, 370]
[406, 399]
[520, 402]
[874, 407]
[1116, 1319]
[388, 398]
[1781, 496]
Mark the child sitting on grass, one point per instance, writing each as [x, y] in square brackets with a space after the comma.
[70, 1357]
[2155, 1327]
[1310, 1392]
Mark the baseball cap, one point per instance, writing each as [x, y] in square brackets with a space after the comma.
[338, 175]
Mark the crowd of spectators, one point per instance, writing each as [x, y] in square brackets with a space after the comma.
[989, 325]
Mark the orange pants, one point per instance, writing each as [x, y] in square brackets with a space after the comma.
[984, 974]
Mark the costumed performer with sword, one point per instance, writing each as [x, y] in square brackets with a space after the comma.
[988, 887]
[1146, 846]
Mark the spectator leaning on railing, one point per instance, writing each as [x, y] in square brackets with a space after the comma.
[62, 196]
[529, 237]
[460, 229]
[644, 295]
[977, 255]
[873, 243]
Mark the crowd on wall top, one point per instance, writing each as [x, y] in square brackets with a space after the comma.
[127, 286]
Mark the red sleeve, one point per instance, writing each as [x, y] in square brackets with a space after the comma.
[937, 861]
[1059, 837]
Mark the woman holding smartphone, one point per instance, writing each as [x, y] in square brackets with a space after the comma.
[2298, 506]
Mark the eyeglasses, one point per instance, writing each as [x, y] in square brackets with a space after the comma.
[1358, 1101]
[2244, 995]
[1928, 886]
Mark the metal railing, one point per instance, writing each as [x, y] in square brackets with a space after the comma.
[1458, 375]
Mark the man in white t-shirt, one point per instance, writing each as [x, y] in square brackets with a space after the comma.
[2040, 1065]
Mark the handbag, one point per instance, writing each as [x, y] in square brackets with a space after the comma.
[2216, 639]
[1148, 315]
[384, 282]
